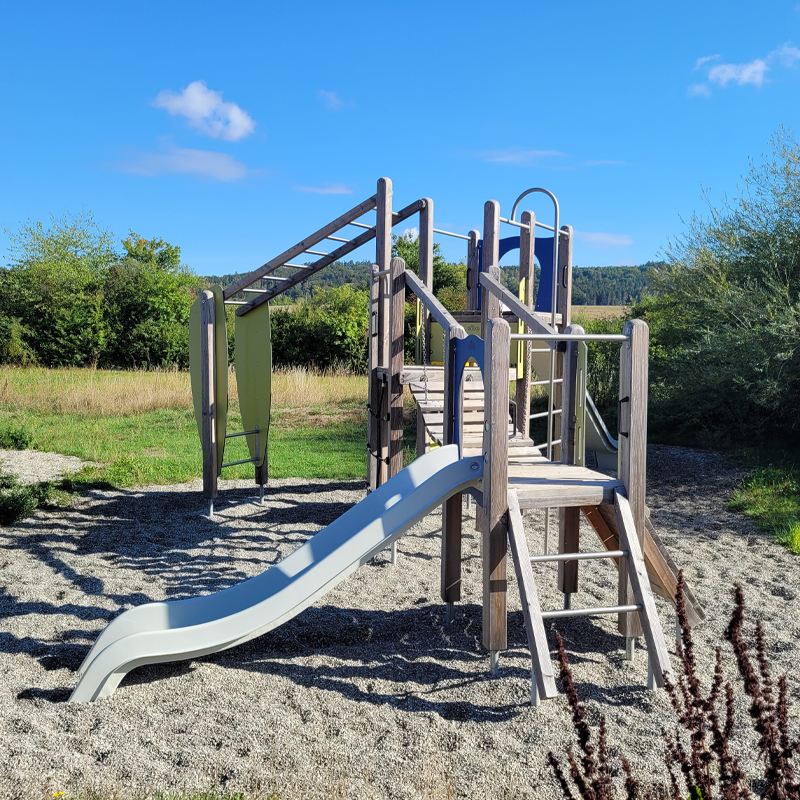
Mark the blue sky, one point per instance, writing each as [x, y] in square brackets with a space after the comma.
[233, 131]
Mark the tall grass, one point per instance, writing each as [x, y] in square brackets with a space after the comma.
[111, 393]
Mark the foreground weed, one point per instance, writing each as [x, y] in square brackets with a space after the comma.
[14, 437]
[699, 753]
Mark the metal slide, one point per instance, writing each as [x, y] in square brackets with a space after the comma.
[183, 629]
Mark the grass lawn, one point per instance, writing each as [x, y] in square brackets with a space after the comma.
[770, 496]
[139, 427]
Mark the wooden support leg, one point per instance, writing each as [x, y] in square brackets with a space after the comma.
[543, 685]
[641, 591]
[451, 550]
[495, 489]
[569, 520]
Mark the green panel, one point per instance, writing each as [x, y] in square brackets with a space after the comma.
[254, 376]
[221, 372]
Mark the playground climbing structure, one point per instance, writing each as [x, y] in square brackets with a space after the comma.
[481, 450]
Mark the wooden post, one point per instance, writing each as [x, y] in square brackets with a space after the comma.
[452, 511]
[423, 317]
[490, 305]
[495, 484]
[397, 281]
[378, 441]
[564, 301]
[633, 450]
[473, 278]
[209, 402]
[569, 519]
[526, 277]
[491, 253]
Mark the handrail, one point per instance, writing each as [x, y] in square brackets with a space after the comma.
[429, 300]
[358, 241]
[516, 306]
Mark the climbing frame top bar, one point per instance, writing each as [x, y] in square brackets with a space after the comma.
[301, 247]
[340, 252]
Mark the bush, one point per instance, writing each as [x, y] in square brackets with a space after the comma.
[328, 331]
[727, 313]
[18, 500]
[14, 437]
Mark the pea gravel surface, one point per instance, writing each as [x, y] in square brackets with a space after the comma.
[367, 694]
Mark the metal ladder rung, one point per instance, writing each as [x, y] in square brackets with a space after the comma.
[588, 612]
[580, 556]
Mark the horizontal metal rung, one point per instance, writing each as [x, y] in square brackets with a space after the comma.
[543, 414]
[243, 433]
[361, 225]
[316, 252]
[579, 556]
[242, 461]
[338, 239]
[589, 612]
[298, 266]
[547, 382]
[237, 303]
[448, 233]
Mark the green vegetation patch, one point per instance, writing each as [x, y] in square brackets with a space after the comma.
[14, 436]
[770, 496]
[18, 500]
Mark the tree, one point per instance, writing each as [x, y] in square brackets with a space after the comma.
[148, 294]
[726, 319]
[53, 289]
[445, 274]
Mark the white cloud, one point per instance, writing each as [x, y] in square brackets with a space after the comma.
[753, 72]
[704, 60]
[787, 54]
[334, 101]
[699, 90]
[207, 111]
[182, 161]
[605, 239]
[327, 188]
[519, 157]
[410, 233]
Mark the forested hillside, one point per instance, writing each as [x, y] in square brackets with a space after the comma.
[592, 286]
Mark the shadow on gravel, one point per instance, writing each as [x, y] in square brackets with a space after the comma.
[155, 536]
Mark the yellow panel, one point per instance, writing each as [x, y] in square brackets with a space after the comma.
[221, 373]
[254, 375]
[437, 341]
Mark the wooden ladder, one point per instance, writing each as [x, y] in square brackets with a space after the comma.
[629, 558]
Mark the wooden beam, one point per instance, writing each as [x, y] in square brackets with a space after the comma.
[529, 598]
[473, 284]
[325, 261]
[495, 486]
[396, 337]
[426, 278]
[633, 446]
[301, 247]
[637, 573]
[502, 294]
[431, 303]
[490, 256]
[452, 511]
[564, 300]
[209, 400]
[527, 273]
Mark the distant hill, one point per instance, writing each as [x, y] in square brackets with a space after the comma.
[591, 286]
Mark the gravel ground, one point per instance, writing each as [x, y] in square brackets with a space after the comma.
[32, 466]
[366, 694]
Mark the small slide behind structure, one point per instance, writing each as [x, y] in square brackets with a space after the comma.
[183, 629]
